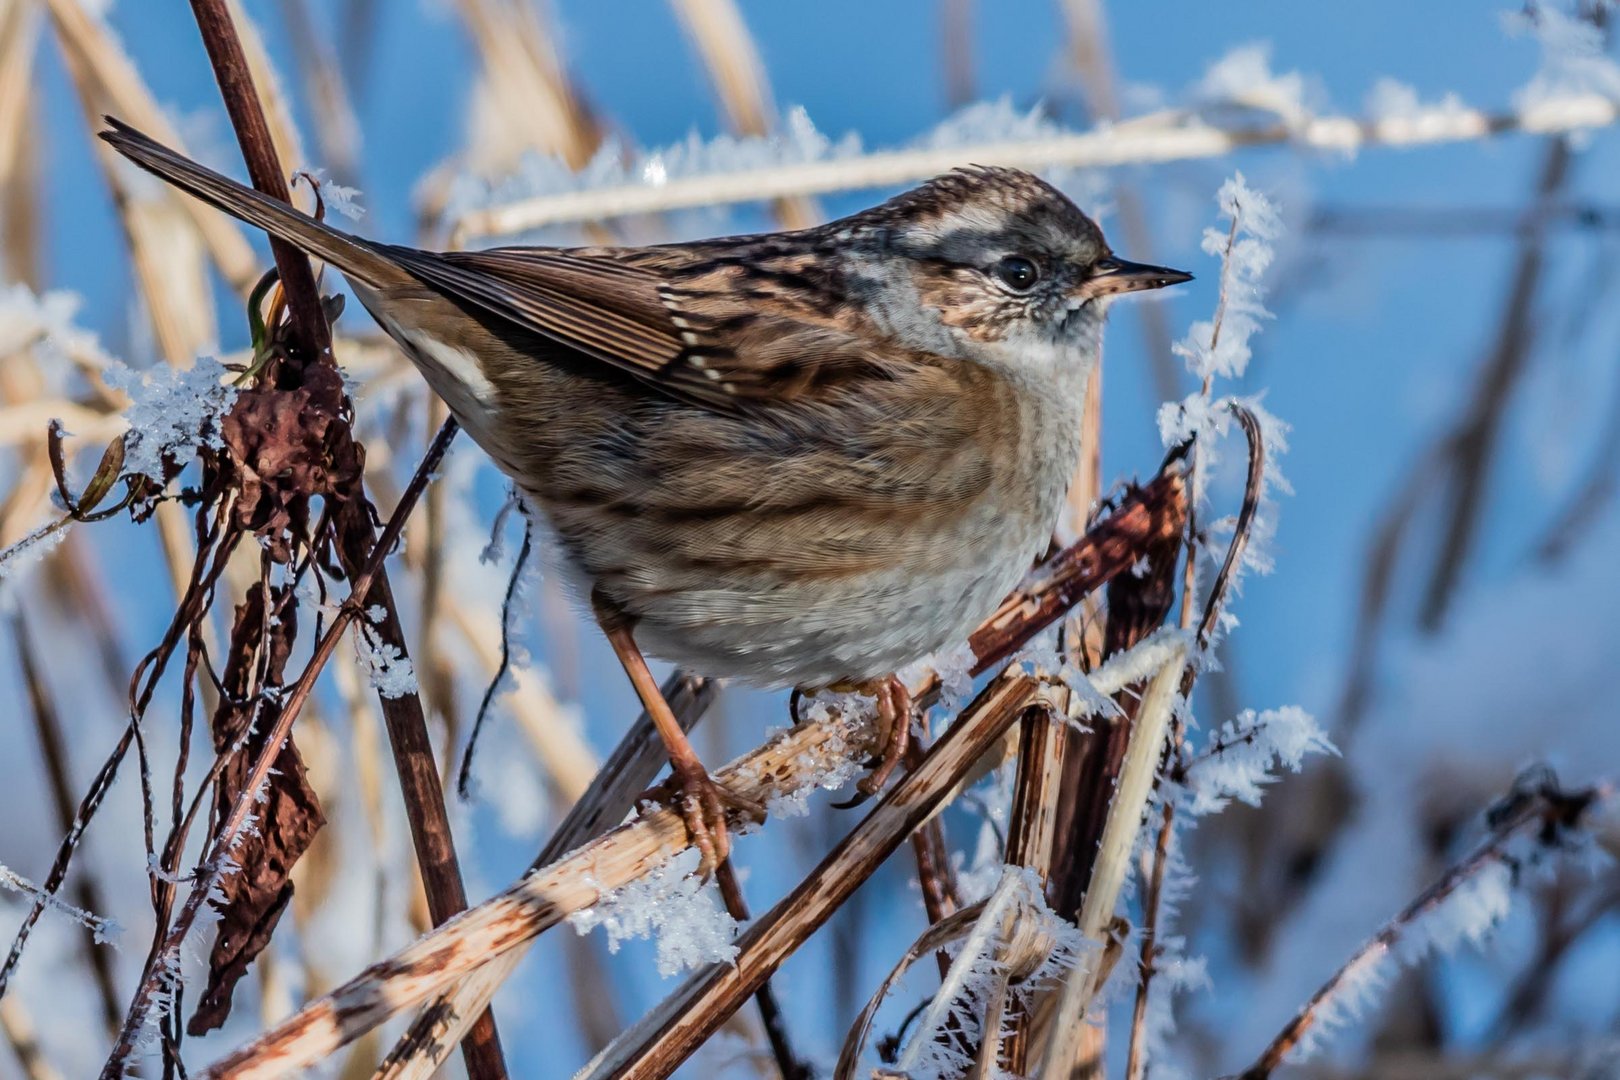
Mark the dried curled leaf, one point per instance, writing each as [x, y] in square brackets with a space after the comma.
[288, 446]
[252, 898]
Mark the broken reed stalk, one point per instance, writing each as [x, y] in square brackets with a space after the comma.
[356, 548]
[1543, 815]
[613, 791]
[657, 1044]
[1151, 514]
[1134, 788]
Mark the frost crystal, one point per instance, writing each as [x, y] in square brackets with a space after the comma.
[1254, 224]
[1467, 914]
[1573, 60]
[389, 671]
[46, 321]
[1243, 78]
[104, 930]
[691, 924]
[1017, 948]
[172, 413]
[1241, 756]
[829, 766]
[25, 553]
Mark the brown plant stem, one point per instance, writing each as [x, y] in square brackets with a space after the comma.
[656, 1046]
[253, 134]
[403, 715]
[1153, 894]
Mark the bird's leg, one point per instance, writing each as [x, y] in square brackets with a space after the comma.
[894, 716]
[701, 799]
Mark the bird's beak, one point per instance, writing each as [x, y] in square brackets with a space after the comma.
[1111, 276]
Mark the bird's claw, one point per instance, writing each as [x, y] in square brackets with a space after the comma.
[702, 802]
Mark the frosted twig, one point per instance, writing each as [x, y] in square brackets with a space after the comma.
[104, 928]
[1542, 817]
[1161, 137]
[233, 823]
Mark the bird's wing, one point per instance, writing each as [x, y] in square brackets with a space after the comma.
[697, 340]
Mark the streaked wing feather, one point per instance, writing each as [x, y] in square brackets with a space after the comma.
[631, 318]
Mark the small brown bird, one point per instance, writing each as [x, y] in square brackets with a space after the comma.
[799, 459]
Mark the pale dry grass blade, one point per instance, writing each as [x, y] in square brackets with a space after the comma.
[1159, 138]
[19, 44]
[737, 74]
[18, 1028]
[101, 67]
[530, 102]
[337, 129]
[1130, 802]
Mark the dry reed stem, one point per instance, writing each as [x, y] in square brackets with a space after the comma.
[1091, 57]
[1157, 138]
[19, 44]
[1112, 866]
[1471, 447]
[538, 901]
[337, 130]
[657, 1044]
[534, 101]
[612, 794]
[738, 76]
[267, 82]
[18, 1028]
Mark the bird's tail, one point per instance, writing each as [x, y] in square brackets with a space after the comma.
[350, 254]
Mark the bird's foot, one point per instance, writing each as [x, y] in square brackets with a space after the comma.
[894, 723]
[702, 802]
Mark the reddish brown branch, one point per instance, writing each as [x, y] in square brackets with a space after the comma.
[310, 330]
[403, 715]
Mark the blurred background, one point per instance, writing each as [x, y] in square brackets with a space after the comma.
[1446, 347]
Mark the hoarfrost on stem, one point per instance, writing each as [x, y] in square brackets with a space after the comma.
[1574, 62]
[1221, 347]
[1240, 758]
[171, 413]
[388, 670]
[672, 903]
[103, 929]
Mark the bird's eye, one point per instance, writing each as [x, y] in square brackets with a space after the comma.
[1017, 273]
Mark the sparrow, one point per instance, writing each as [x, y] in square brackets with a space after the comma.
[799, 459]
